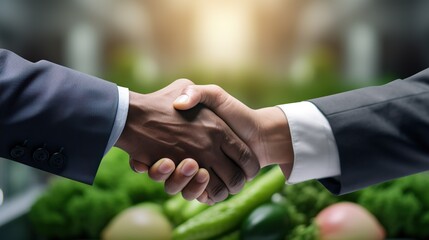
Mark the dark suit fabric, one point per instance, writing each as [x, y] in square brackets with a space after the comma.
[57, 110]
[381, 132]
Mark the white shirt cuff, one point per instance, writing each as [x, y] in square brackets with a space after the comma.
[314, 147]
[121, 117]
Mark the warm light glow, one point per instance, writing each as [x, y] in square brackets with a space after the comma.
[223, 33]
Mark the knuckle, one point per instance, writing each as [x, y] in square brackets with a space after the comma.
[245, 155]
[219, 96]
[218, 192]
[254, 171]
[236, 183]
[248, 161]
[184, 81]
[215, 88]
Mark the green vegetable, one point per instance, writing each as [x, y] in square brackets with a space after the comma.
[179, 209]
[47, 214]
[228, 215]
[70, 209]
[309, 198]
[193, 208]
[143, 222]
[267, 222]
[74, 210]
[139, 188]
[173, 208]
[231, 236]
[295, 218]
[305, 232]
[401, 206]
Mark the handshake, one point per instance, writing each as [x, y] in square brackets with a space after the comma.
[202, 141]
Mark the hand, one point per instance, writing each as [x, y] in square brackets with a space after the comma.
[265, 130]
[155, 130]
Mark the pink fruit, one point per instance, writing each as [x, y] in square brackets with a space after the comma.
[348, 221]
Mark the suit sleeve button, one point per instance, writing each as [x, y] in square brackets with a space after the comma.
[41, 155]
[57, 160]
[18, 152]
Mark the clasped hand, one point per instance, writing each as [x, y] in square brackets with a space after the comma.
[205, 145]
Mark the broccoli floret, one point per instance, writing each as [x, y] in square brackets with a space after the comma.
[305, 232]
[401, 206]
[73, 210]
[394, 209]
[47, 213]
[139, 188]
[91, 212]
[309, 197]
[112, 168]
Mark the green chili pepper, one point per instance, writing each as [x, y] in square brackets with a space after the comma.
[228, 215]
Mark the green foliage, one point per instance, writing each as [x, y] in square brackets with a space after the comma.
[70, 210]
[47, 214]
[304, 232]
[401, 206]
[309, 198]
[139, 188]
[91, 212]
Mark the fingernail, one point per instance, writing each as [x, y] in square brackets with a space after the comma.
[210, 202]
[139, 168]
[182, 99]
[165, 168]
[188, 169]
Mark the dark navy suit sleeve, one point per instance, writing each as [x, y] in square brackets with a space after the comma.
[381, 132]
[53, 118]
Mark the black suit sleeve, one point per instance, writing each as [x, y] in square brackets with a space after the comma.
[53, 118]
[381, 132]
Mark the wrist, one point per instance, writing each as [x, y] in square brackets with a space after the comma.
[134, 110]
[275, 137]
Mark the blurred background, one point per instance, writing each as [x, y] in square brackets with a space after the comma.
[264, 52]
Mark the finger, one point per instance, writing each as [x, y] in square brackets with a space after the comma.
[183, 174]
[162, 169]
[216, 189]
[197, 185]
[137, 166]
[231, 175]
[211, 202]
[240, 153]
[203, 197]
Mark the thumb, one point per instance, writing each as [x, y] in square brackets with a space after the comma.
[233, 112]
[212, 96]
[191, 96]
